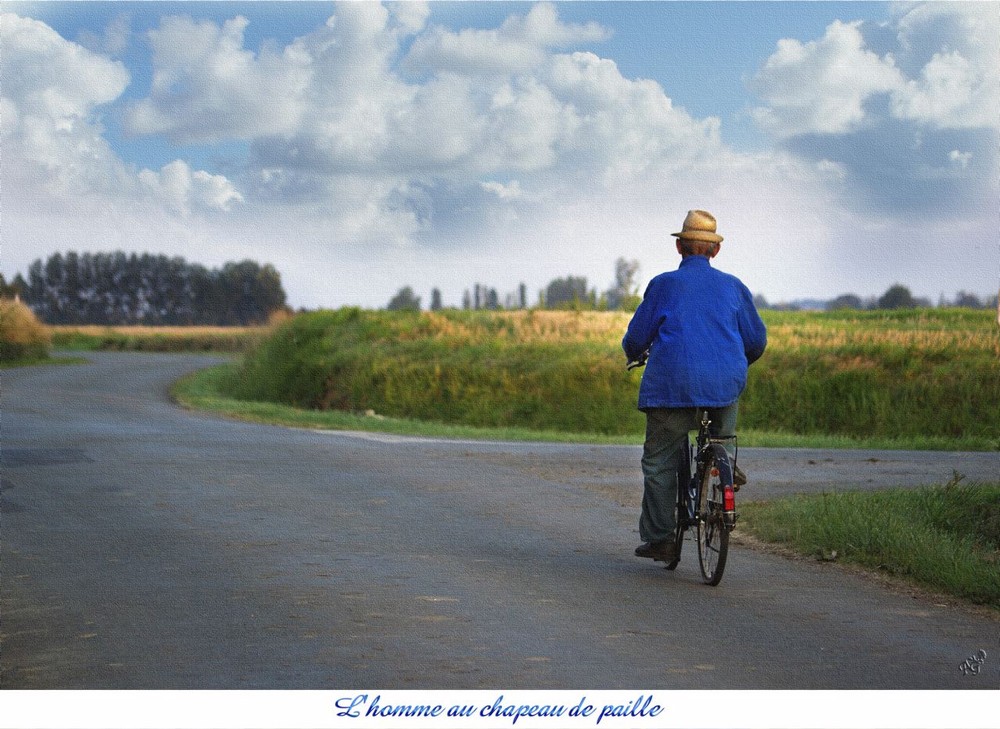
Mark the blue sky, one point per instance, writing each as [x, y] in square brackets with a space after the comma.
[844, 147]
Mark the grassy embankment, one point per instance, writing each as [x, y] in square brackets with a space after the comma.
[924, 379]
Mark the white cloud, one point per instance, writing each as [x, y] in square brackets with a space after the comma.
[182, 190]
[559, 121]
[890, 123]
[961, 159]
[959, 86]
[411, 15]
[520, 44]
[207, 87]
[622, 127]
[822, 86]
[49, 78]
[52, 95]
[55, 153]
[510, 191]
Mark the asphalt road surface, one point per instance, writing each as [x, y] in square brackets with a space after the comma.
[144, 546]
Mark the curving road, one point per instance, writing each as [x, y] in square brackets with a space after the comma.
[144, 546]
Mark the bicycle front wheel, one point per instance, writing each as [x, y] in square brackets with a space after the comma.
[713, 535]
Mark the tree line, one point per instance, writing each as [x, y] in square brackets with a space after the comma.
[569, 292]
[121, 289]
[896, 296]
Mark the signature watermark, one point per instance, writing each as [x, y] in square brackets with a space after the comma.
[973, 664]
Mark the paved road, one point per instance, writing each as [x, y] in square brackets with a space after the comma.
[149, 547]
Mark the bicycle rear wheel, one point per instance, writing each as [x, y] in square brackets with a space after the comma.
[713, 534]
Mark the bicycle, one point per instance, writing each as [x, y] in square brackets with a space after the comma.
[706, 497]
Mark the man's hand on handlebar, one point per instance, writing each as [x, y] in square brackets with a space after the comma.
[638, 362]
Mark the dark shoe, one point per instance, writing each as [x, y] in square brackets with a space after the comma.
[665, 551]
[739, 478]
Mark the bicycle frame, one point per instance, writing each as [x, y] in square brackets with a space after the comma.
[699, 511]
[707, 445]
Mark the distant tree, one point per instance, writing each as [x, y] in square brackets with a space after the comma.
[968, 301]
[250, 292]
[13, 289]
[483, 297]
[116, 288]
[404, 300]
[846, 301]
[624, 293]
[569, 292]
[760, 302]
[435, 299]
[896, 297]
[522, 296]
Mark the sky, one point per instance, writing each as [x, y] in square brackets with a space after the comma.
[362, 147]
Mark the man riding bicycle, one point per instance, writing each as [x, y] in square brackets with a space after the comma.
[701, 331]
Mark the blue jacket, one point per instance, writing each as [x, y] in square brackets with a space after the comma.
[702, 331]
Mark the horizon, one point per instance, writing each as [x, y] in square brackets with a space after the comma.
[364, 147]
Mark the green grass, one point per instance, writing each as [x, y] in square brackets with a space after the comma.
[910, 374]
[927, 379]
[205, 390]
[467, 368]
[945, 538]
[38, 361]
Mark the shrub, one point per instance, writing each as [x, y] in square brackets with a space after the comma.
[22, 336]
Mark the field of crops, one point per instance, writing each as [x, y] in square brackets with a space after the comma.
[927, 376]
[158, 338]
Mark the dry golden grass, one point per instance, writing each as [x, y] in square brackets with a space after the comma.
[527, 326]
[22, 336]
[828, 336]
[97, 330]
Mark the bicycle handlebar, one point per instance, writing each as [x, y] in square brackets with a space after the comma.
[631, 365]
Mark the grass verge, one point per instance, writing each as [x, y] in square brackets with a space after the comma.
[928, 380]
[206, 390]
[36, 361]
[944, 538]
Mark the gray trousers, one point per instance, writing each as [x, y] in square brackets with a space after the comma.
[666, 437]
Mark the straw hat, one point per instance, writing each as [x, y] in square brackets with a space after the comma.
[699, 225]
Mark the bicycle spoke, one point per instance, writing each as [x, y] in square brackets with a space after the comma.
[713, 537]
